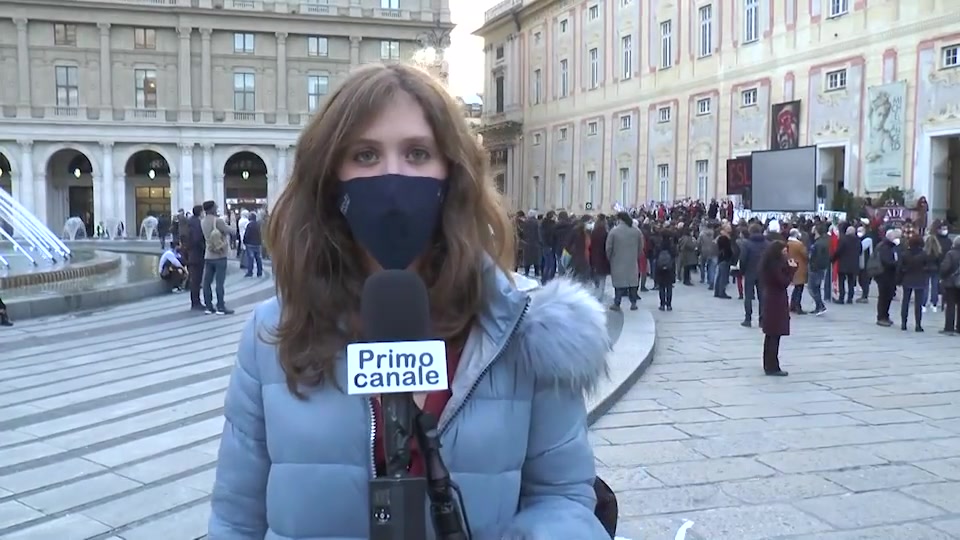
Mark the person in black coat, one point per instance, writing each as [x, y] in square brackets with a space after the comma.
[194, 246]
[753, 249]
[775, 273]
[665, 268]
[886, 280]
[912, 276]
[599, 264]
[847, 258]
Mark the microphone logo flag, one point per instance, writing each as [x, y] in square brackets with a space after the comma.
[396, 366]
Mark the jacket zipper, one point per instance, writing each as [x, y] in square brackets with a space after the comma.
[476, 383]
[373, 439]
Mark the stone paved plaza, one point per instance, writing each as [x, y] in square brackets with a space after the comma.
[861, 441]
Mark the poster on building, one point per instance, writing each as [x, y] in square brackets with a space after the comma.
[886, 123]
[785, 125]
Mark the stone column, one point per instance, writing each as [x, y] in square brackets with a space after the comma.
[23, 69]
[355, 50]
[23, 186]
[175, 188]
[106, 74]
[206, 75]
[183, 74]
[208, 189]
[120, 205]
[187, 191]
[105, 199]
[282, 116]
[281, 178]
[40, 202]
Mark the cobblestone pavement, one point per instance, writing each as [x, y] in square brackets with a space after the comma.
[861, 441]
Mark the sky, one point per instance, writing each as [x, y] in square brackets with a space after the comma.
[465, 55]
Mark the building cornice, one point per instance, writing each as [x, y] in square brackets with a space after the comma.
[530, 8]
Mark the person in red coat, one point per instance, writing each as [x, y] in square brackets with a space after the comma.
[776, 275]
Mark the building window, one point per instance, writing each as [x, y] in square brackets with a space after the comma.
[564, 78]
[536, 139]
[536, 192]
[703, 106]
[624, 185]
[317, 46]
[498, 93]
[748, 98]
[244, 92]
[562, 134]
[591, 186]
[243, 43]
[837, 80]
[593, 13]
[705, 39]
[951, 56]
[389, 4]
[65, 34]
[537, 36]
[144, 38]
[666, 44]
[839, 7]
[389, 50]
[703, 178]
[317, 87]
[594, 68]
[68, 90]
[751, 21]
[145, 82]
[592, 128]
[537, 86]
[499, 52]
[626, 121]
[663, 114]
[626, 57]
[563, 26]
[663, 173]
[562, 190]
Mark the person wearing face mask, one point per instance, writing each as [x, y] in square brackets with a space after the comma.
[866, 251]
[389, 176]
[888, 256]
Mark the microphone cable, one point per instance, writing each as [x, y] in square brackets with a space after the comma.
[450, 520]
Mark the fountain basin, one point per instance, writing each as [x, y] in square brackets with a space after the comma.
[83, 264]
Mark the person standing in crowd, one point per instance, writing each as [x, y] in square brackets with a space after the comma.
[819, 266]
[216, 233]
[912, 276]
[388, 154]
[726, 257]
[866, 251]
[707, 246]
[579, 248]
[934, 253]
[950, 285]
[252, 243]
[599, 264]
[530, 251]
[847, 259]
[623, 246]
[886, 277]
[548, 242]
[687, 246]
[797, 250]
[194, 247]
[753, 249]
[776, 271]
[666, 252]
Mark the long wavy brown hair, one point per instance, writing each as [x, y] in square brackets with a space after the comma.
[320, 270]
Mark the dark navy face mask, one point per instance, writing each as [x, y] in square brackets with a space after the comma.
[393, 216]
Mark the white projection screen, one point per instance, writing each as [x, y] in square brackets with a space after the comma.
[785, 180]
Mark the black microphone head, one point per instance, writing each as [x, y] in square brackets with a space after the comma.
[395, 306]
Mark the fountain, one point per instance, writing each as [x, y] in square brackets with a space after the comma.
[74, 228]
[112, 228]
[28, 237]
[148, 227]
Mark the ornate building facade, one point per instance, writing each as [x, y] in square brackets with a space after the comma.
[592, 103]
[123, 108]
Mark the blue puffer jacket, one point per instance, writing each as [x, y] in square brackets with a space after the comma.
[514, 433]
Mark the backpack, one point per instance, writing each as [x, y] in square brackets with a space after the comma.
[874, 267]
[664, 260]
[216, 243]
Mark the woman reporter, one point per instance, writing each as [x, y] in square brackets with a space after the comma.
[388, 175]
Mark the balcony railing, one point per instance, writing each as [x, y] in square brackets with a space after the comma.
[501, 8]
[157, 3]
[243, 4]
[144, 115]
[66, 112]
[398, 14]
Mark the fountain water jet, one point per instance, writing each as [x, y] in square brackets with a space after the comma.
[29, 235]
[148, 227]
[73, 228]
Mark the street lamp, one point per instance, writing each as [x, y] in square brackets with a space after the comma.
[245, 175]
[77, 173]
[151, 174]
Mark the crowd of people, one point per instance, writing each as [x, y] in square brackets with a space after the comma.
[773, 261]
